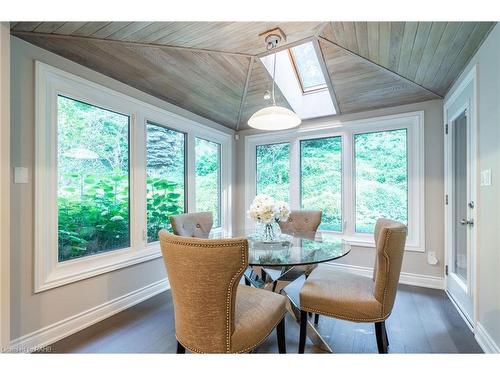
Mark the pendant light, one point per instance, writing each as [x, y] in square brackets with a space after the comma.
[274, 117]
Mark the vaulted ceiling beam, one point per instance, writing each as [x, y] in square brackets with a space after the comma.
[245, 90]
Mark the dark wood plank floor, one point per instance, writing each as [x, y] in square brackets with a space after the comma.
[423, 321]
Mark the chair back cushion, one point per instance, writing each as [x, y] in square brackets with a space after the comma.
[204, 275]
[197, 224]
[390, 239]
[302, 221]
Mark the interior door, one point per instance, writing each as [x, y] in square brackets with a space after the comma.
[461, 215]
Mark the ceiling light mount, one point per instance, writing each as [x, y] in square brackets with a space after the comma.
[272, 41]
[273, 117]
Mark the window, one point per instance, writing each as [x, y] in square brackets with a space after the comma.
[208, 190]
[166, 159]
[307, 68]
[110, 171]
[92, 179]
[355, 172]
[381, 178]
[321, 179]
[273, 168]
[300, 79]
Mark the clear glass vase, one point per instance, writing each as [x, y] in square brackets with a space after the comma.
[269, 232]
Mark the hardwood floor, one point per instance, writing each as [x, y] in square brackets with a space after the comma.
[423, 321]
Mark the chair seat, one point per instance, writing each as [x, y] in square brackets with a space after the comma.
[257, 313]
[341, 295]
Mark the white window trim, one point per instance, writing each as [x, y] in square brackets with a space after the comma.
[412, 121]
[50, 82]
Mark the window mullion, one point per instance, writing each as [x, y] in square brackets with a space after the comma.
[348, 185]
[295, 174]
[190, 173]
[138, 195]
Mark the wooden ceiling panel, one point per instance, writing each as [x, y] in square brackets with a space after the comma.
[208, 84]
[361, 85]
[431, 54]
[234, 37]
[204, 66]
[259, 82]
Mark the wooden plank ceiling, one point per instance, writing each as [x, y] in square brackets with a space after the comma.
[212, 68]
[431, 54]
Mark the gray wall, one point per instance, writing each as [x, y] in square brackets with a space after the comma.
[30, 311]
[487, 60]
[413, 262]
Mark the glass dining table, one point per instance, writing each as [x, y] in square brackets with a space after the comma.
[283, 265]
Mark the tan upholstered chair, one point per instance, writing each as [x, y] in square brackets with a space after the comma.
[213, 313]
[302, 221]
[346, 296]
[198, 224]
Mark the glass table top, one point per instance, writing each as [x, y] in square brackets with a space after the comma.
[299, 249]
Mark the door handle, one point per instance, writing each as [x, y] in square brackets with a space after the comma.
[467, 222]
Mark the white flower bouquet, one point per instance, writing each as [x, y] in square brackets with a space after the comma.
[268, 212]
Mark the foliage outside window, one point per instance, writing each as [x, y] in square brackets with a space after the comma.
[165, 177]
[93, 179]
[208, 178]
[273, 170]
[321, 179]
[381, 178]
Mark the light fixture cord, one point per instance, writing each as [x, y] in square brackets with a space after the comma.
[274, 75]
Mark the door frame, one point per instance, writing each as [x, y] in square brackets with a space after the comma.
[5, 173]
[471, 112]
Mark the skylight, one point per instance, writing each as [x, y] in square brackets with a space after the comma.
[300, 78]
[307, 68]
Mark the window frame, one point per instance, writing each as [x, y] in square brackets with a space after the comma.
[51, 82]
[289, 167]
[413, 122]
[341, 174]
[298, 75]
[219, 178]
[185, 134]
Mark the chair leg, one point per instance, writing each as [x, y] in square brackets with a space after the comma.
[386, 338]
[263, 275]
[280, 332]
[247, 282]
[381, 334]
[303, 331]
[180, 348]
[275, 284]
[316, 319]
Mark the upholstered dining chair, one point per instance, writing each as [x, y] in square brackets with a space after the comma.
[198, 224]
[213, 313]
[302, 221]
[347, 296]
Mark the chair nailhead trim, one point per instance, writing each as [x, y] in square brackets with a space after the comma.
[244, 259]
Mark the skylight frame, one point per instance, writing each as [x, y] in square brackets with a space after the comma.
[298, 75]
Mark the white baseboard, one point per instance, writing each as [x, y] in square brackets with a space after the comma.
[54, 332]
[407, 278]
[485, 341]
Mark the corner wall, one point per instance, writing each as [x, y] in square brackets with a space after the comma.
[487, 60]
[415, 265]
[33, 314]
